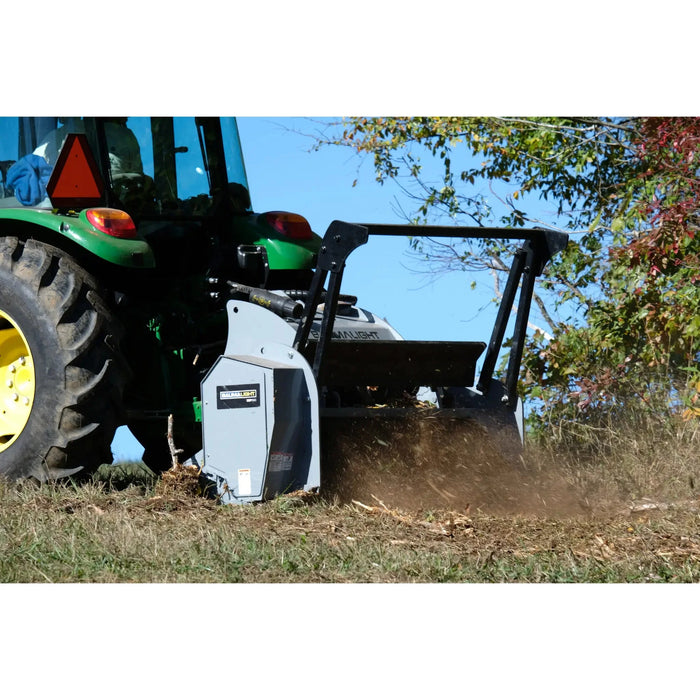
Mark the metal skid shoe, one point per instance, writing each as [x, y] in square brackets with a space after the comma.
[260, 412]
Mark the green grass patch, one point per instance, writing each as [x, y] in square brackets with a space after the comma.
[638, 521]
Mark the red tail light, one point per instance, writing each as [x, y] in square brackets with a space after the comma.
[113, 222]
[291, 226]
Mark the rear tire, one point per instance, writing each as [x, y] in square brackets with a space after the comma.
[62, 417]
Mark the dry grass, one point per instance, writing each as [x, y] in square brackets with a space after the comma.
[623, 509]
[612, 463]
[61, 534]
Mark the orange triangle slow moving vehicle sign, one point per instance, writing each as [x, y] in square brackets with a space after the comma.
[75, 182]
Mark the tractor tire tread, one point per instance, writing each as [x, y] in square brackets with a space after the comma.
[88, 372]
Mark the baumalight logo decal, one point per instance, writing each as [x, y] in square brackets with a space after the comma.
[238, 396]
[247, 394]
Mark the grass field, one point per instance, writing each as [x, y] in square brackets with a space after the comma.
[623, 517]
[60, 534]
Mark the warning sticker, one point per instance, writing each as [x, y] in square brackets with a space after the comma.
[280, 461]
[238, 396]
[244, 487]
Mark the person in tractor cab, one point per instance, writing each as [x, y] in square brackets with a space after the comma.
[124, 153]
[30, 175]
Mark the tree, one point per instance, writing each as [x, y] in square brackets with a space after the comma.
[622, 301]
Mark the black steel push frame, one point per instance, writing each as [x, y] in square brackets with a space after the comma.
[342, 238]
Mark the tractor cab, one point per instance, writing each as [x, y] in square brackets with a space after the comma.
[151, 166]
[181, 180]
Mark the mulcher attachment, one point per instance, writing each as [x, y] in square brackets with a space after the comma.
[283, 383]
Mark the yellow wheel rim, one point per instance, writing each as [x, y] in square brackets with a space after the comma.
[17, 381]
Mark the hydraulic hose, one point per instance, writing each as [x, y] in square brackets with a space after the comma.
[278, 304]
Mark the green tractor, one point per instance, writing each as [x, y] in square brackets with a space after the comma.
[136, 283]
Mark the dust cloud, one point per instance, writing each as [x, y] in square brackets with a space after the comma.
[419, 463]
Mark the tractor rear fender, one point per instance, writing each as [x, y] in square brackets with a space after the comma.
[74, 233]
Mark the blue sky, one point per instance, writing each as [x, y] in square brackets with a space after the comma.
[285, 173]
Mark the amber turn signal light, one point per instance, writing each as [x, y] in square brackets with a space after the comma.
[113, 222]
[289, 225]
